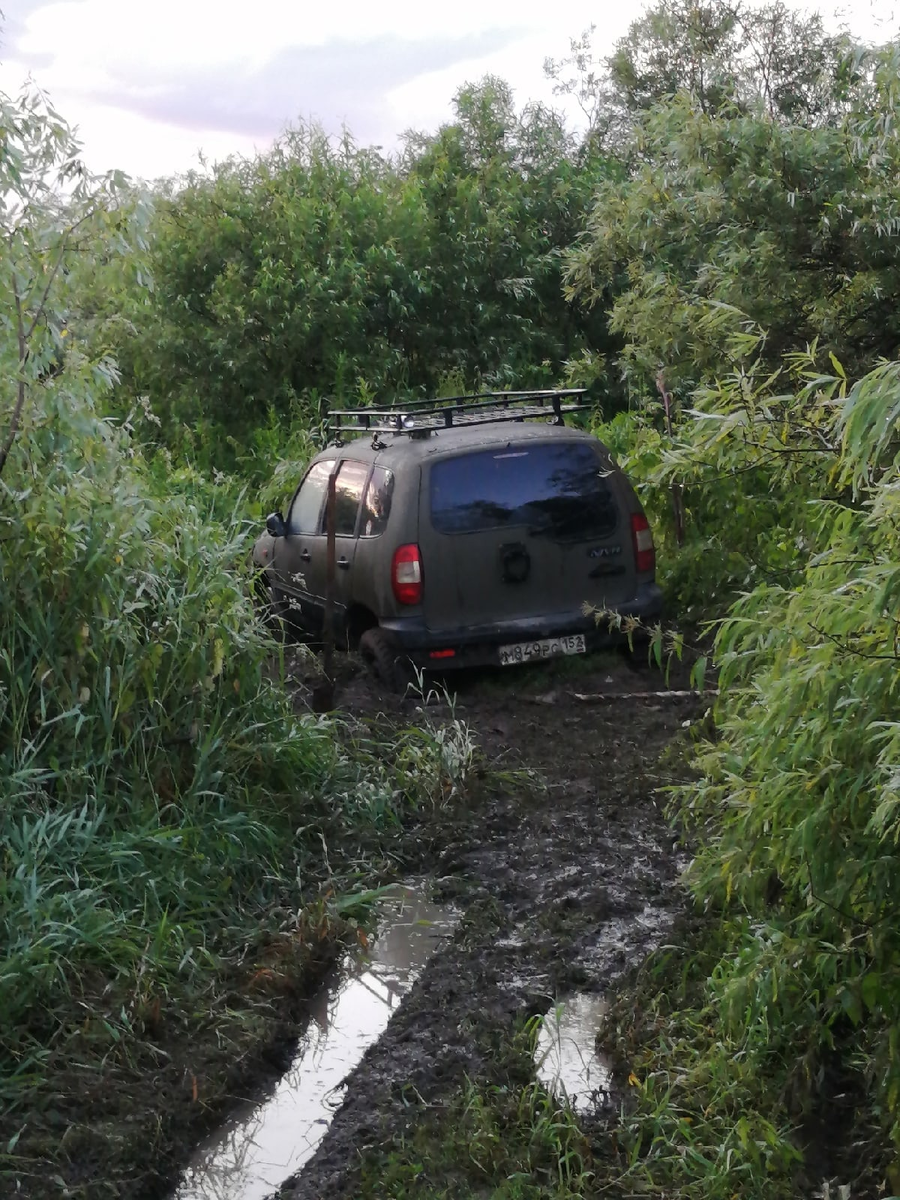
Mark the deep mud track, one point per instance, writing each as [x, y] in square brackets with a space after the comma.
[562, 883]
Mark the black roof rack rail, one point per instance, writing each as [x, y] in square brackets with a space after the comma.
[422, 417]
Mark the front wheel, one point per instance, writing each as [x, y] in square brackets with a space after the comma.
[389, 664]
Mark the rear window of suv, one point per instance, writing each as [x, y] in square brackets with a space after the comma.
[554, 489]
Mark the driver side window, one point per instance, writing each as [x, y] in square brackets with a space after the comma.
[306, 509]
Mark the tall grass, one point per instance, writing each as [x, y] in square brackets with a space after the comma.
[159, 793]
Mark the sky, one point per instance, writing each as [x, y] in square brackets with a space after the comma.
[150, 86]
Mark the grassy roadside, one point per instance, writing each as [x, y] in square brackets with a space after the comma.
[504, 1137]
[173, 834]
[698, 1116]
[130, 1066]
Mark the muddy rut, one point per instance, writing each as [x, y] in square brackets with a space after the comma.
[560, 885]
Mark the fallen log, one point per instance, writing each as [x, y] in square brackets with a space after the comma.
[668, 694]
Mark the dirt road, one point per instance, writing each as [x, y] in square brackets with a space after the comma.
[561, 883]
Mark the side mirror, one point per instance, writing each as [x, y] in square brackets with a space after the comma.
[275, 524]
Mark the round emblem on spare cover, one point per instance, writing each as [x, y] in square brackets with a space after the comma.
[515, 562]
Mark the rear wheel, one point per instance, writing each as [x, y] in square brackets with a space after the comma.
[636, 651]
[389, 664]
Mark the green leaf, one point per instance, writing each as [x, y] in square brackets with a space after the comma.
[698, 674]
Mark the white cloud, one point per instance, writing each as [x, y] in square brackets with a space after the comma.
[147, 149]
[194, 70]
[197, 32]
[150, 84]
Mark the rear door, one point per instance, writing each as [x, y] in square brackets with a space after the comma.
[301, 558]
[349, 486]
[296, 555]
[523, 531]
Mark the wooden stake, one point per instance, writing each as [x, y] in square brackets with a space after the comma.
[330, 556]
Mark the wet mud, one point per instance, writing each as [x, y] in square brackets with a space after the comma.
[564, 874]
[267, 1138]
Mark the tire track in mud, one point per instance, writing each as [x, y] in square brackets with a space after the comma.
[559, 891]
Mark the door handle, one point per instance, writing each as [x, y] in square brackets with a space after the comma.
[305, 555]
[344, 564]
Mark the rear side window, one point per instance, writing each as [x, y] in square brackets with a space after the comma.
[306, 510]
[558, 490]
[307, 513]
[377, 504]
[348, 490]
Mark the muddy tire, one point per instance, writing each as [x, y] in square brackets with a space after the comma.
[639, 659]
[390, 666]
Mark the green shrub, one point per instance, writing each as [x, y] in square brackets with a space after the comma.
[162, 802]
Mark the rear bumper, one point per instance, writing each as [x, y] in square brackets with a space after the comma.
[477, 645]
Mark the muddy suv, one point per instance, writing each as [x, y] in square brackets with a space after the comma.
[463, 532]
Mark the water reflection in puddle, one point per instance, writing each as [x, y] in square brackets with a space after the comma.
[265, 1142]
[566, 1059]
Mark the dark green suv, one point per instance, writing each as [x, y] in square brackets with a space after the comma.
[463, 533]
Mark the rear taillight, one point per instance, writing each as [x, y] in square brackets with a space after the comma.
[406, 574]
[644, 554]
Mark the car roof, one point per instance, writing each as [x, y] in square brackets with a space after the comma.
[438, 443]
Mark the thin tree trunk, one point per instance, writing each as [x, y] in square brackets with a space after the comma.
[20, 384]
[676, 489]
[23, 335]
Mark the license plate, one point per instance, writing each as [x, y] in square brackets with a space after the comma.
[523, 652]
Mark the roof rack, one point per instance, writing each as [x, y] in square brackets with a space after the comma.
[423, 417]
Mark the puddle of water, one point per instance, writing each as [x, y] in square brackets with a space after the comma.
[565, 1057]
[263, 1143]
